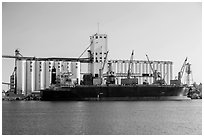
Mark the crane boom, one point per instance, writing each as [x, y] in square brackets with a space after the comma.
[129, 66]
[150, 64]
[86, 49]
[104, 61]
[155, 74]
[101, 70]
[180, 74]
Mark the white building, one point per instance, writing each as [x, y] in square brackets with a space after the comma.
[98, 51]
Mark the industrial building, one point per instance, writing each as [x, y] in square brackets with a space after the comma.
[34, 74]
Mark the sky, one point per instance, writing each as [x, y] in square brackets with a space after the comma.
[169, 31]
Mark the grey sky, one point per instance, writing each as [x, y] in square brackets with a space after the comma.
[164, 31]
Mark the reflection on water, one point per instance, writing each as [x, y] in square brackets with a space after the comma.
[102, 118]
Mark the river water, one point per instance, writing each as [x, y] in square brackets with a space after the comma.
[102, 118]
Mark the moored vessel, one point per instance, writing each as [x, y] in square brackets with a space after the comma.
[102, 83]
[115, 92]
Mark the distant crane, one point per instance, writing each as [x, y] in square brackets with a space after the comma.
[180, 73]
[130, 65]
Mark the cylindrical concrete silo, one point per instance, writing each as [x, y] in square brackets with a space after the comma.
[32, 65]
[37, 75]
[28, 78]
[24, 82]
[19, 77]
[42, 75]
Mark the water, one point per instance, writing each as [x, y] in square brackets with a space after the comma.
[102, 118]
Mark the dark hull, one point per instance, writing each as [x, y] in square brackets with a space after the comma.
[116, 92]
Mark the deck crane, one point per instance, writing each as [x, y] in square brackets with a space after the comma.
[156, 74]
[130, 65]
[180, 73]
[129, 80]
[154, 71]
[103, 66]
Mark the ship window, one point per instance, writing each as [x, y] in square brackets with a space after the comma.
[100, 52]
[104, 37]
[100, 36]
[100, 57]
[96, 53]
[96, 37]
[96, 60]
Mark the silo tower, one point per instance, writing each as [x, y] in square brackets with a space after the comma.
[98, 51]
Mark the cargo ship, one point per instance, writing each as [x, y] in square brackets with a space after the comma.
[93, 89]
[129, 90]
[114, 92]
[97, 85]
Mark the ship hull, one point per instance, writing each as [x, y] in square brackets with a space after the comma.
[115, 93]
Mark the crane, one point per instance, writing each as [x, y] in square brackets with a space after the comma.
[103, 66]
[85, 50]
[130, 65]
[154, 71]
[180, 73]
[156, 74]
